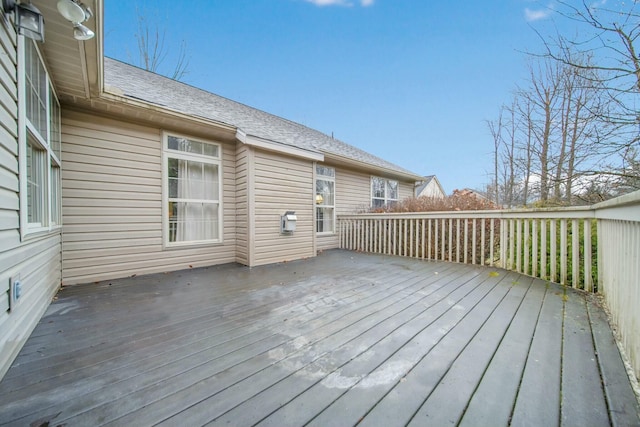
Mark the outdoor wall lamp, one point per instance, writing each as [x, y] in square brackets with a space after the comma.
[76, 12]
[319, 199]
[28, 19]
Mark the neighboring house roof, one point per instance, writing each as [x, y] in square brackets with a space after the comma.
[153, 88]
[427, 181]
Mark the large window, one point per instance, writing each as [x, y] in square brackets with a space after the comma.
[384, 192]
[325, 199]
[40, 137]
[192, 191]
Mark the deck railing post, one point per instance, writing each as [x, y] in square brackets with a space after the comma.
[575, 257]
[588, 280]
[552, 251]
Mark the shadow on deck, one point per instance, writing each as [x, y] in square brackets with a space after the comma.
[334, 340]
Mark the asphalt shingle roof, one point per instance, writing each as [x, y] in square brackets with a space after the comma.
[144, 85]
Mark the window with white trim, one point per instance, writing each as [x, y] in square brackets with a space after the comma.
[384, 192]
[40, 143]
[325, 199]
[192, 188]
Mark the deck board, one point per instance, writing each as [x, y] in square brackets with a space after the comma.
[493, 400]
[538, 398]
[335, 340]
[581, 381]
[448, 401]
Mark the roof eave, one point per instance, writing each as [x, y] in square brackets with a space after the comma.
[279, 147]
[379, 170]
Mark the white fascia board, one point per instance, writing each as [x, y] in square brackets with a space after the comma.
[113, 94]
[373, 168]
[269, 145]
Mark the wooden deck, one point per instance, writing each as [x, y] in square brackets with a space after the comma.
[341, 339]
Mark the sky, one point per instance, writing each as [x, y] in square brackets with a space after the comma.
[411, 81]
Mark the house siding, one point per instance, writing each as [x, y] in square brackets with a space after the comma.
[353, 194]
[36, 260]
[282, 184]
[244, 171]
[112, 203]
[406, 190]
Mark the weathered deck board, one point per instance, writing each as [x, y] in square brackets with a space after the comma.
[581, 381]
[493, 400]
[538, 398]
[623, 408]
[335, 340]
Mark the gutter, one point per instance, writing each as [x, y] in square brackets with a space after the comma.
[369, 167]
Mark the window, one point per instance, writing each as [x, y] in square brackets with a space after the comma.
[191, 191]
[40, 144]
[325, 199]
[384, 192]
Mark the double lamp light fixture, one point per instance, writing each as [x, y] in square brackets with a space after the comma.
[30, 23]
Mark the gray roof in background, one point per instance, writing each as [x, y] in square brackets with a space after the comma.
[427, 181]
[141, 84]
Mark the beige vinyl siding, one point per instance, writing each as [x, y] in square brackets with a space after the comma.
[112, 203]
[282, 184]
[36, 261]
[406, 190]
[243, 179]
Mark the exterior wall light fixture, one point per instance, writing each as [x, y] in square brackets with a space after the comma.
[28, 19]
[76, 12]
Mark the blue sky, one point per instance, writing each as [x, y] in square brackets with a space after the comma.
[412, 81]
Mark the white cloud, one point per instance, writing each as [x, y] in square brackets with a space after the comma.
[535, 15]
[366, 3]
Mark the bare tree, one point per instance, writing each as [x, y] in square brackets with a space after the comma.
[495, 127]
[526, 148]
[612, 30]
[544, 95]
[152, 51]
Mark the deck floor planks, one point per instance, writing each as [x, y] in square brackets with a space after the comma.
[493, 400]
[132, 370]
[538, 398]
[163, 399]
[307, 342]
[449, 399]
[320, 340]
[581, 380]
[400, 404]
[376, 370]
[623, 408]
[331, 371]
[148, 314]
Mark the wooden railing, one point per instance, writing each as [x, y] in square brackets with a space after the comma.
[595, 248]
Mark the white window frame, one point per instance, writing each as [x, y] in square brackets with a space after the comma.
[168, 153]
[51, 215]
[323, 204]
[387, 199]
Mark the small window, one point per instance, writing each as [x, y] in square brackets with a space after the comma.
[325, 199]
[384, 192]
[192, 191]
[36, 185]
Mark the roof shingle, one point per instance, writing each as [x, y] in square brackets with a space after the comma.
[140, 84]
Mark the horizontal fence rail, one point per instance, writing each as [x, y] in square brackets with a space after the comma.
[594, 248]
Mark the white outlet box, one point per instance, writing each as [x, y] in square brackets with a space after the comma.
[15, 291]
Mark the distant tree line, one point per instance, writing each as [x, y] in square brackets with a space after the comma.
[570, 134]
